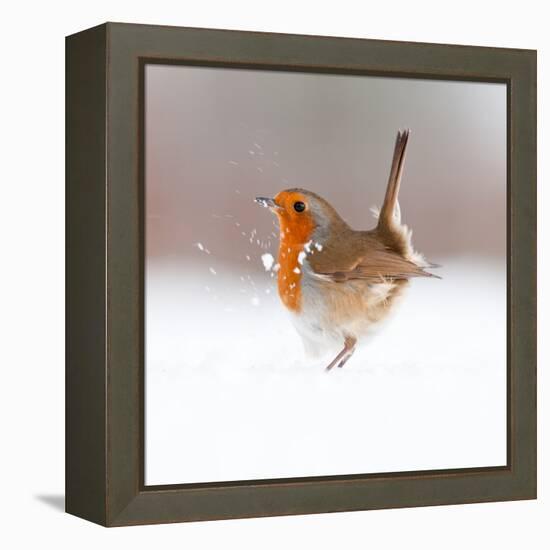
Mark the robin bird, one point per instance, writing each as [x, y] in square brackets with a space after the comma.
[337, 282]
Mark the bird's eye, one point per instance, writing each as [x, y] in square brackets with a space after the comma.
[299, 206]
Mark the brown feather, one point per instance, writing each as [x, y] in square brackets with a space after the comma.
[351, 254]
[388, 228]
[394, 180]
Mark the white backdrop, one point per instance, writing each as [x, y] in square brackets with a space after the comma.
[32, 276]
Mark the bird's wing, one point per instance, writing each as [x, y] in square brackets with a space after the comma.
[363, 257]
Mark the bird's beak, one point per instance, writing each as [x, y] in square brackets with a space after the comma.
[267, 202]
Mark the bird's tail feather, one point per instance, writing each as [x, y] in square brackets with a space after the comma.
[395, 234]
[390, 205]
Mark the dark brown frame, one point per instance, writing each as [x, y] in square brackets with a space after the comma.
[104, 366]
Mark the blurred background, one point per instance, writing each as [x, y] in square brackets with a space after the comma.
[229, 392]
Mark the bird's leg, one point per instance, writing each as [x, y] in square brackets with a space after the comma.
[345, 354]
[349, 344]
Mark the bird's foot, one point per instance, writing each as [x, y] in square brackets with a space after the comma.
[344, 360]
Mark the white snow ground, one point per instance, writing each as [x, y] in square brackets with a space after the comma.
[230, 395]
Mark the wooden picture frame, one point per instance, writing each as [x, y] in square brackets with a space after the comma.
[105, 233]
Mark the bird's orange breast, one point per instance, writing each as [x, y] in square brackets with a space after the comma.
[293, 239]
[289, 277]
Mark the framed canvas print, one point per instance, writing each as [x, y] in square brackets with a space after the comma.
[301, 274]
